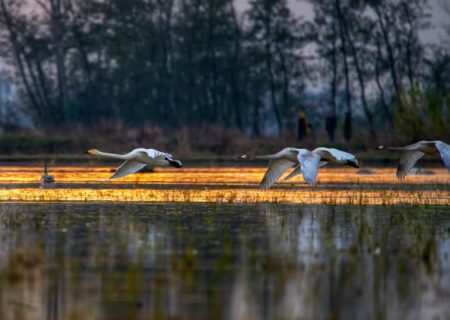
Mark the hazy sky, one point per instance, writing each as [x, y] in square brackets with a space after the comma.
[439, 16]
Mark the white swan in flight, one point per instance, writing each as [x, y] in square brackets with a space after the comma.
[412, 153]
[137, 159]
[285, 159]
[306, 162]
[329, 155]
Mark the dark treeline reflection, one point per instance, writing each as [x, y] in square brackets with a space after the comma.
[196, 261]
[192, 62]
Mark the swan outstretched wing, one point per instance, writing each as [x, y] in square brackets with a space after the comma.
[309, 163]
[128, 167]
[276, 169]
[407, 161]
[332, 153]
[153, 153]
[322, 163]
[294, 173]
[444, 150]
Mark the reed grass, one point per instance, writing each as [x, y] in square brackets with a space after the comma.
[354, 197]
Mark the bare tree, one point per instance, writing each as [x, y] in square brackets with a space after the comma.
[344, 21]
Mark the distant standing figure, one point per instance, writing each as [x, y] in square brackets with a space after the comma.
[302, 126]
[348, 126]
[330, 126]
[412, 153]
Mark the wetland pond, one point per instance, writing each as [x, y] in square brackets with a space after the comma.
[223, 261]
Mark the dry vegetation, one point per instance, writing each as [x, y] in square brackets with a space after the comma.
[187, 142]
[354, 197]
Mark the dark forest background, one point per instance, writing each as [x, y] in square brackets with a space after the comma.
[174, 73]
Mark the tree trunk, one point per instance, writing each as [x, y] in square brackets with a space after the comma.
[18, 57]
[389, 51]
[234, 70]
[256, 127]
[57, 26]
[285, 76]
[271, 76]
[331, 120]
[348, 127]
[361, 82]
[408, 47]
[384, 104]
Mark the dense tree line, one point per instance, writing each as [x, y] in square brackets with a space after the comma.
[190, 62]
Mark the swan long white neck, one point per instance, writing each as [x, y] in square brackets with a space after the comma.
[265, 157]
[397, 148]
[111, 155]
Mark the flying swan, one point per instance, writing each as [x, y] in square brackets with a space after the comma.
[305, 162]
[329, 155]
[137, 159]
[412, 153]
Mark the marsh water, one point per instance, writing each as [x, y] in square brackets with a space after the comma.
[223, 261]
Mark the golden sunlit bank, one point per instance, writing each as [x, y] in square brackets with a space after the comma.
[231, 185]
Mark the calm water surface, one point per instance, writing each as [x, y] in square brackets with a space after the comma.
[213, 261]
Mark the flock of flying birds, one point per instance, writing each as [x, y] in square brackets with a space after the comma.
[304, 162]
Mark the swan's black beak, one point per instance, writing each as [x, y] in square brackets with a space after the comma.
[353, 163]
[174, 163]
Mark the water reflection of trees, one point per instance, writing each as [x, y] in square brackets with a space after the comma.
[239, 262]
[363, 262]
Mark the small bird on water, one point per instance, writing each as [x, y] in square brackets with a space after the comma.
[46, 179]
